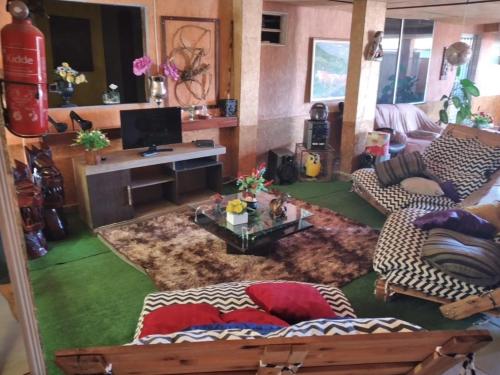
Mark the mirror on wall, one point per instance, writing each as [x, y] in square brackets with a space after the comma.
[90, 49]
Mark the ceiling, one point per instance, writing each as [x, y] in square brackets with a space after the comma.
[476, 12]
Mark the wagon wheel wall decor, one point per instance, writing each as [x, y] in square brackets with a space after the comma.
[192, 45]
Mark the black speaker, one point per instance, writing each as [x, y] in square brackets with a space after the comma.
[228, 107]
[316, 134]
[281, 167]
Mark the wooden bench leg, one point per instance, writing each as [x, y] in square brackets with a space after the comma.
[6, 291]
[383, 291]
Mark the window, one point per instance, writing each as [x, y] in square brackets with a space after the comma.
[274, 28]
[469, 70]
[407, 51]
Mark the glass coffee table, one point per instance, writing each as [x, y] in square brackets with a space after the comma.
[262, 231]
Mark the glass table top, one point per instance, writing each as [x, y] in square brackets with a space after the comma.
[260, 220]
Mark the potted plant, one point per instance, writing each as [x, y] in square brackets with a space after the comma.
[67, 78]
[482, 120]
[236, 212]
[92, 141]
[461, 98]
[251, 184]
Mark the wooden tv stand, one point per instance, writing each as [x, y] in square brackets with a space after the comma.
[126, 182]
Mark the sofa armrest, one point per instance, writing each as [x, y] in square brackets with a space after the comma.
[486, 194]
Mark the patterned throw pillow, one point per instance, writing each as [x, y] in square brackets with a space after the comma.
[393, 171]
[470, 259]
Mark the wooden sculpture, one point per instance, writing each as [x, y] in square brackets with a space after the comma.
[30, 202]
[50, 180]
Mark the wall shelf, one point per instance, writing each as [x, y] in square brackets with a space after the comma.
[67, 138]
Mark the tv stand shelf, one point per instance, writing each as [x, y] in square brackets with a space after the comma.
[126, 182]
[150, 181]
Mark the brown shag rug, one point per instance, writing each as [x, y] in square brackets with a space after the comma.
[178, 254]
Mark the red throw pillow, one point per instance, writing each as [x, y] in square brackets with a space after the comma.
[251, 315]
[292, 302]
[175, 318]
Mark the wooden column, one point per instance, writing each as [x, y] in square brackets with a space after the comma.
[247, 17]
[17, 264]
[368, 16]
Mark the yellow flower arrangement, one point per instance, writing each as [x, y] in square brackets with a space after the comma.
[236, 206]
[70, 75]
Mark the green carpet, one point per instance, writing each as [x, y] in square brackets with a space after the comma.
[86, 296]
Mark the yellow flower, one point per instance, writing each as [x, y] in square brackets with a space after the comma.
[236, 206]
[62, 73]
[65, 64]
[70, 78]
[80, 79]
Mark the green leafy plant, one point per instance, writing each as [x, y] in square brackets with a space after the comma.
[482, 119]
[91, 140]
[462, 104]
[253, 183]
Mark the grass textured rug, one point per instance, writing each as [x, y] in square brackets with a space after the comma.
[178, 254]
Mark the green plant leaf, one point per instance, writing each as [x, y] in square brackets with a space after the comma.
[443, 116]
[460, 117]
[444, 97]
[446, 104]
[472, 90]
[457, 102]
[470, 87]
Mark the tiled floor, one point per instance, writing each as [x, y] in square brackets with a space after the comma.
[12, 354]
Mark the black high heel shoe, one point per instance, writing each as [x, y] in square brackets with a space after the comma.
[61, 127]
[84, 124]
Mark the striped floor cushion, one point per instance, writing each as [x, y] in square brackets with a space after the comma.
[231, 296]
[320, 327]
[398, 259]
[394, 198]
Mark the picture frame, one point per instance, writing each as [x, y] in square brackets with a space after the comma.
[182, 40]
[328, 71]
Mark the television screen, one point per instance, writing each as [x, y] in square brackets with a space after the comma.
[147, 127]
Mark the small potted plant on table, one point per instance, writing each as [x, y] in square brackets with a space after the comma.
[251, 184]
[482, 120]
[92, 141]
[236, 212]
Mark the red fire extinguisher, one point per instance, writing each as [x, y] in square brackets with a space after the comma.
[24, 88]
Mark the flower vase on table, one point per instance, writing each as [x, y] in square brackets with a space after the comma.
[236, 212]
[251, 184]
[92, 141]
[67, 79]
[92, 157]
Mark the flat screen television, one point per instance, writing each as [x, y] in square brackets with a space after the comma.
[148, 127]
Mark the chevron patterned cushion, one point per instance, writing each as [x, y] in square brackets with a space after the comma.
[320, 327]
[464, 156]
[231, 296]
[398, 259]
[393, 198]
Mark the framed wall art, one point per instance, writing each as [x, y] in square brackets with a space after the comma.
[328, 72]
[192, 44]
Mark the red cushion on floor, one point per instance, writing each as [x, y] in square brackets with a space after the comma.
[177, 317]
[291, 302]
[251, 315]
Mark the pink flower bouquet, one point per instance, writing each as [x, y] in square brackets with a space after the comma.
[170, 70]
[142, 65]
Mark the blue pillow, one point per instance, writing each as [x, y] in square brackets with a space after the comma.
[459, 221]
[263, 329]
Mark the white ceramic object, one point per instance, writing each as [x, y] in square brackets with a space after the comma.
[237, 219]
